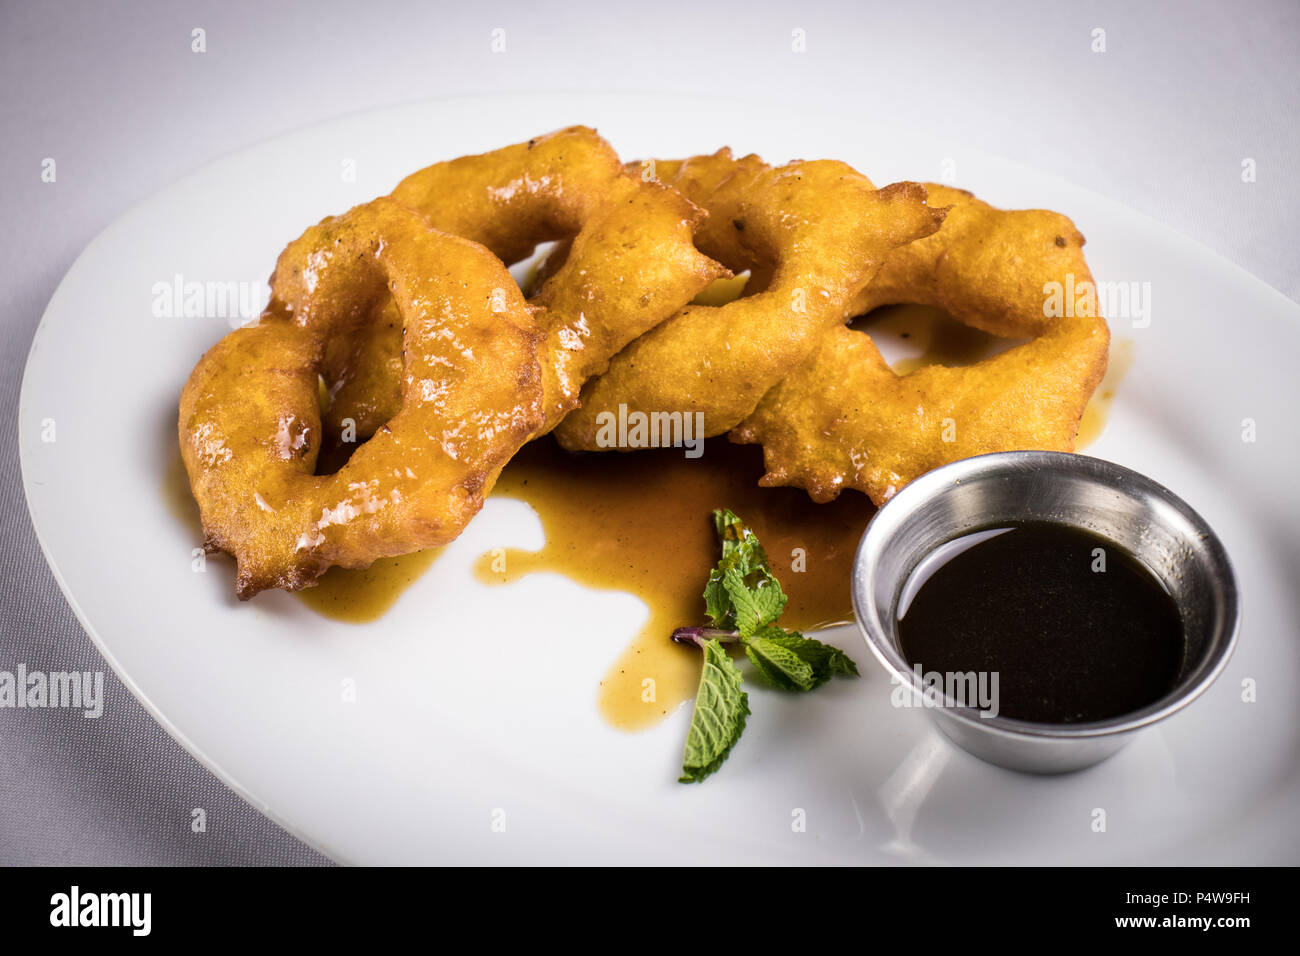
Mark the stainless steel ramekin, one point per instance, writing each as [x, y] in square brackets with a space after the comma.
[1129, 509]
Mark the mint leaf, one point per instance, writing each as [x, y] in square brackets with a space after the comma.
[754, 607]
[779, 664]
[737, 539]
[719, 718]
[824, 660]
[730, 530]
[717, 602]
[729, 595]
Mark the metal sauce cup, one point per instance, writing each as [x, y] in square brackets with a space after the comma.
[997, 490]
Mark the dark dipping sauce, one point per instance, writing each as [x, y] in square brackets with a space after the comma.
[1069, 642]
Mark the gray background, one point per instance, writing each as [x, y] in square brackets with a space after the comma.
[1161, 121]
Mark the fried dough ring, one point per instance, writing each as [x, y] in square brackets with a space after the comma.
[820, 228]
[985, 267]
[461, 369]
[632, 262]
[472, 395]
[845, 419]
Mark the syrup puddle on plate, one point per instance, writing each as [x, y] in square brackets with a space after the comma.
[642, 522]
[910, 337]
[1097, 413]
[361, 595]
[639, 522]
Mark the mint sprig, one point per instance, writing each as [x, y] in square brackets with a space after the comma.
[743, 600]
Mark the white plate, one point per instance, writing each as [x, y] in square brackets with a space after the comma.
[471, 701]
